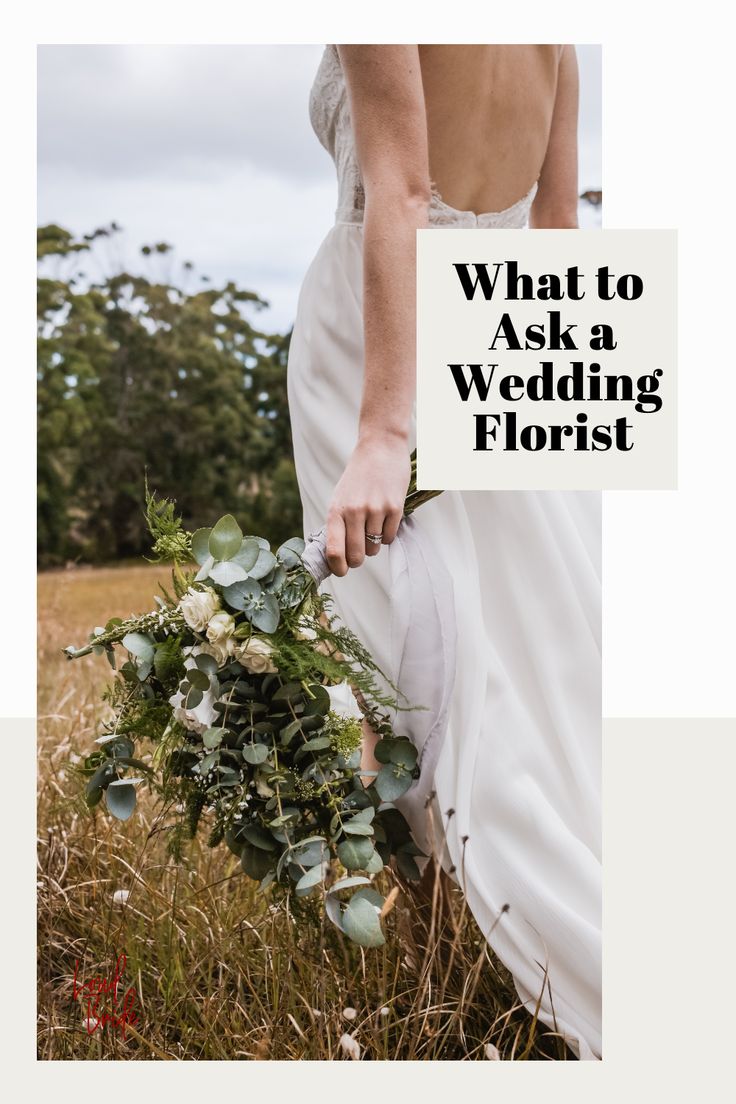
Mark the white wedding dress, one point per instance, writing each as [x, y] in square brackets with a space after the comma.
[517, 771]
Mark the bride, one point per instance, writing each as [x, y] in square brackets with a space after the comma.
[469, 135]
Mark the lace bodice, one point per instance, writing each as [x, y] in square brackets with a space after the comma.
[329, 112]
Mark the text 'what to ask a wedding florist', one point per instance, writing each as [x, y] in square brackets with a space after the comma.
[546, 360]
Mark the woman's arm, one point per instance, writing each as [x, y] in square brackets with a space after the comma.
[387, 110]
[556, 202]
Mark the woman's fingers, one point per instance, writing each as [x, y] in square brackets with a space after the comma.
[347, 542]
[374, 525]
[336, 543]
[354, 536]
[391, 525]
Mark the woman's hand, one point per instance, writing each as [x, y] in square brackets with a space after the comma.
[369, 498]
[384, 84]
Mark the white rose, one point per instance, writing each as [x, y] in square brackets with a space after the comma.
[204, 649]
[219, 630]
[343, 701]
[255, 655]
[198, 606]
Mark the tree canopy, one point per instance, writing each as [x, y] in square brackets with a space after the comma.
[163, 376]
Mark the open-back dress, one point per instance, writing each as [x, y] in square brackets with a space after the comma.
[488, 606]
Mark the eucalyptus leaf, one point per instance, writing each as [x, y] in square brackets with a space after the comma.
[194, 698]
[382, 751]
[255, 862]
[318, 700]
[347, 883]
[234, 841]
[290, 731]
[267, 614]
[392, 782]
[355, 828]
[290, 691]
[198, 678]
[371, 895]
[207, 663]
[375, 864]
[93, 796]
[212, 737]
[355, 853]
[241, 593]
[312, 878]
[204, 571]
[361, 923]
[287, 817]
[208, 762]
[403, 753]
[311, 722]
[225, 539]
[115, 744]
[255, 753]
[97, 783]
[318, 743]
[143, 669]
[309, 853]
[120, 748]
[225, 573]
[274, 582]
[139, 645]
[364, 815]
[247, 554]
[258, 836]
[200, 545]
[334, 911]
[263, 566]
[120, 799]
[290, 552]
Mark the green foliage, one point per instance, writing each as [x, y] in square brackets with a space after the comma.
[231, 682]
[170, 541]
[152, 373]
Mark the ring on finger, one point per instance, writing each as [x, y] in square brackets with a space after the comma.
[374, 538]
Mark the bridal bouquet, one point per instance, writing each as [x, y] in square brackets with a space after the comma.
[239, 702]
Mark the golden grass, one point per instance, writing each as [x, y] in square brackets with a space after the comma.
[219, 971]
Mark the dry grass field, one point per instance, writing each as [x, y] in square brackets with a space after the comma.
[216, 970]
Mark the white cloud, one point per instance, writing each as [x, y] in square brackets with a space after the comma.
[210, 149]
[133, 111]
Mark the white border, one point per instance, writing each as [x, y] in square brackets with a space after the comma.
[668, 161]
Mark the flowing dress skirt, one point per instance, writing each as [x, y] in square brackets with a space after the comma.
[517, 779]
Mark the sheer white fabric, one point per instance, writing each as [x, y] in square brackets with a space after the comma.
[509, 583]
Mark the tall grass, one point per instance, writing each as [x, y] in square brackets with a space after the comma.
[220, 971]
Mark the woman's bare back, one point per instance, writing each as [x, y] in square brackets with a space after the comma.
[489, 114]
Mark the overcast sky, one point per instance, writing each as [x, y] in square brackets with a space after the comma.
[210, 149]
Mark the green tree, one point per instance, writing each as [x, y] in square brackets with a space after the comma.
[136, 375]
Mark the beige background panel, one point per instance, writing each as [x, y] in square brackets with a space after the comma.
[669, 974]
